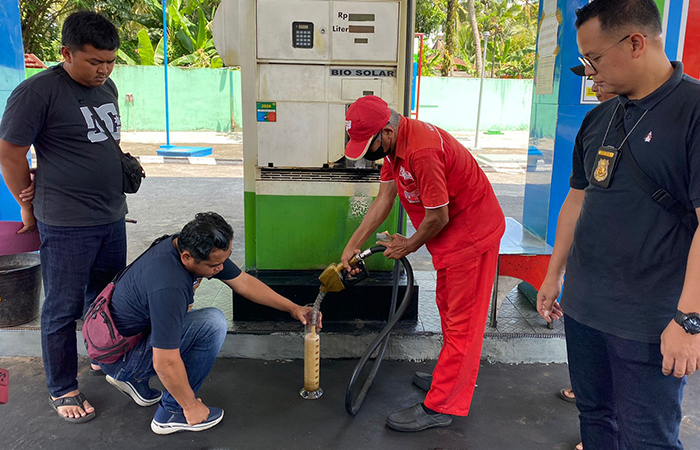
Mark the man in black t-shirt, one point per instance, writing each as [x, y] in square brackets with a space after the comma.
[79, 206]
[154, 297]
[632, 263]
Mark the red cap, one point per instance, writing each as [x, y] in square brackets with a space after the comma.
[364, 119]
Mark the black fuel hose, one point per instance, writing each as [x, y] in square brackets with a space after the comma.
[354, 403]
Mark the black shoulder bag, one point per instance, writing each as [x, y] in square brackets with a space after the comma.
[660, 195]
[132, 172]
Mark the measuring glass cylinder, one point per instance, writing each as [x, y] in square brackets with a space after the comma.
[312, 359]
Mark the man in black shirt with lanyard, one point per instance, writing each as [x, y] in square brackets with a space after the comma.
[626, 236]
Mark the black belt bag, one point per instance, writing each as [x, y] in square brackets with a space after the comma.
[132, 172]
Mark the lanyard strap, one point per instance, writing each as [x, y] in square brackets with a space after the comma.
[660, 195]
[620, 118]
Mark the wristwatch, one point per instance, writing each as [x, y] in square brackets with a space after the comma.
[690, 322]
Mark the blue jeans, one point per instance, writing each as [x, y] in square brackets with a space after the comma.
[76, 264]
[203, 334]
[624, 401]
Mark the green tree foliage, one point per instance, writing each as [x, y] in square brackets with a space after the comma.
[450, 31]
[513, 28]
[42, 21]
[190, 41]
[511, 52]
[140, 25]
[430, 15]
[512, 25]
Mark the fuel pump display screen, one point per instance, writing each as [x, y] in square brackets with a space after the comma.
[303, 34]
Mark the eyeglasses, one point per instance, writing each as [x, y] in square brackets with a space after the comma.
[589, 61]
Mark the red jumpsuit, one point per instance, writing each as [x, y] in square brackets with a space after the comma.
[432, 169]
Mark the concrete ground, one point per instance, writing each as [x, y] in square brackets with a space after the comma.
[515, 407]
[147, 143]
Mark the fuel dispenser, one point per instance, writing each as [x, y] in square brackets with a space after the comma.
[303, 62]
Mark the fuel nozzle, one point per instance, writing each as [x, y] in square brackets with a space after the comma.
[335, 278]
[331, 278]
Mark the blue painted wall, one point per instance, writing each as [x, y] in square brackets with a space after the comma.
[11, 74]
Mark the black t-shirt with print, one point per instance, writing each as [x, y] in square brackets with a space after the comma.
[79, 174]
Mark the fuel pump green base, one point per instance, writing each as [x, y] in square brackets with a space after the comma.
[289, 254]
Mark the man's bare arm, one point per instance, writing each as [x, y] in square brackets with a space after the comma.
[15, 172]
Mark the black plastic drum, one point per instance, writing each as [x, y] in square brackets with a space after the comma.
[20, 288]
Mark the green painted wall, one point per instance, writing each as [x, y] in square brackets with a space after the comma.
[451, 103]
[200, 99]
[301, 233]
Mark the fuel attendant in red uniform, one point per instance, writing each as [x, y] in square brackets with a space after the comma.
[457, 216]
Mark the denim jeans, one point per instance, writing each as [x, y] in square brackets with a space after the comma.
[203, 334]
[76, 264]
[624, 401]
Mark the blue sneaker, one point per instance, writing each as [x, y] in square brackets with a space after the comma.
[139, 392]
[165, 422]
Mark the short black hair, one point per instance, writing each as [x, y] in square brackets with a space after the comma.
[616, 14]
[208, 231]
[87, 27]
